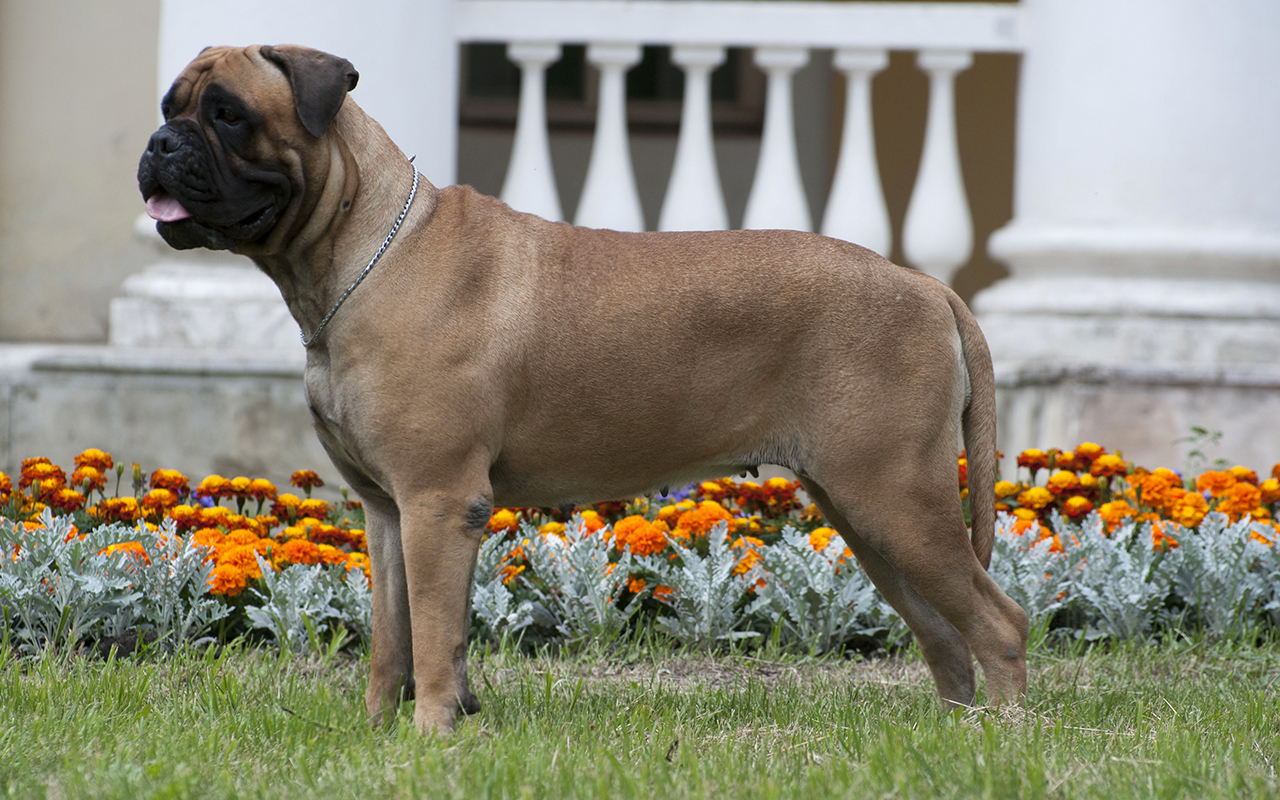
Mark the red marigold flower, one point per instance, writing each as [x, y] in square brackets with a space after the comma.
[1063, 482]
[158, 501]
[318, 509]
[65, 499]
[503, 519]
[120, 509]
[284, 504]
[306, 480]
[1087, 453]
[262, 489]
[1244, 474]
[49, 476]
[1033, 460]
[98, 459]
[1270, 490]
[170, 479]
[214, 486]
[1077, 508]
[1108, 465]
[964, 473]
[6, 488]
[88, 478]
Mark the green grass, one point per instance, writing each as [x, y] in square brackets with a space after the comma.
[1183, 720]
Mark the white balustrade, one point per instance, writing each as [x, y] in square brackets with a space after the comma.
[856, 210]
[530, 184]
[937, 233]
[694, 200]
[609, 195]
[777, 198]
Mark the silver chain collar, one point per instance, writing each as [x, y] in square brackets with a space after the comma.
[385, 244]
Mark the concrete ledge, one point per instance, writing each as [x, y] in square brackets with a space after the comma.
[198, 411]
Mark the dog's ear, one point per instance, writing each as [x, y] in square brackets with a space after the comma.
[320, 82]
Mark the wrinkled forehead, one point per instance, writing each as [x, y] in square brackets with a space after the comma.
[240, 70]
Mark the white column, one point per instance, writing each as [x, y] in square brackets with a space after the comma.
[694, 200]
[530, 184]
[856, 211]
[937, 233]
[777, 197]
[609, 196]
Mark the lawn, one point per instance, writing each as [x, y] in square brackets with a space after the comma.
[1185, 719]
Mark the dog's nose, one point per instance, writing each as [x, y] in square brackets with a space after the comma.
[163, 142]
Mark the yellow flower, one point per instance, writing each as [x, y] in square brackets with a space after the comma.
[1006, 489]
[1189, 510]
[1035, 498]
[552, 528]
[819, 538]
[503, 519]
[1062, 481]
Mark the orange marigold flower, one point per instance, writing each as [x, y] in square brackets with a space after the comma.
[1115, 513]
[819, 538]
[244, 557]
[592, 521]
[331, 555]
[662, 592]
[305, 480]
[6, 488]
[1077, 508]
[207, 537]
[1244, 474]
[749, 559]
[361, 561]
[701, 519]
[1062, 482]
[1261, 539]
[636, 585]
[1215, 483]
[1006, 489]
[1035, 498]
[623, 528]
[172, 480]
[319, 509]
[1189, 510]
[300, 551]
[241, 536]
[227, 579]
[1157, 486]
[1108, 465]
[1160, 538]
[93, 457]
[1240, 500]
[509, 573]
[671, 513]
[503, 519]
[133, 549]
[648, 539]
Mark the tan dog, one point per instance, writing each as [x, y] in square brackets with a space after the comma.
[495, 358]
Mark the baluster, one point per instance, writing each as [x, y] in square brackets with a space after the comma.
[777, 198]
[856, 211]
[530, 184]
[694, 201]
[937, 235]
[609, 195]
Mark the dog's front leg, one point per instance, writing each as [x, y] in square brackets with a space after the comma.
[440, 534]
[391, 656]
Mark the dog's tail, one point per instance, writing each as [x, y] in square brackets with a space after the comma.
[979, 425]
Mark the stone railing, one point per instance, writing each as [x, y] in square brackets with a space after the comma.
[937, 233]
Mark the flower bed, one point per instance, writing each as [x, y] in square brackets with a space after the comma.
[1091, 545]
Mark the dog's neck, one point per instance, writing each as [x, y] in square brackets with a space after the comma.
[344, 217]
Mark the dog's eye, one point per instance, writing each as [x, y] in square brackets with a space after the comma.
[228, 116]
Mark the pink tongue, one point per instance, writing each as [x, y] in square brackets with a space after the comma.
[162, 207]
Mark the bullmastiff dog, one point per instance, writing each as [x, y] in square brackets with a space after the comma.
[495, 358]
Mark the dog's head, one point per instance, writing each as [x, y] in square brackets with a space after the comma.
[241, 126]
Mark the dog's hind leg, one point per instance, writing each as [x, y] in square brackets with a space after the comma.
[942, 646]
[391, 656]
[919, 554]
